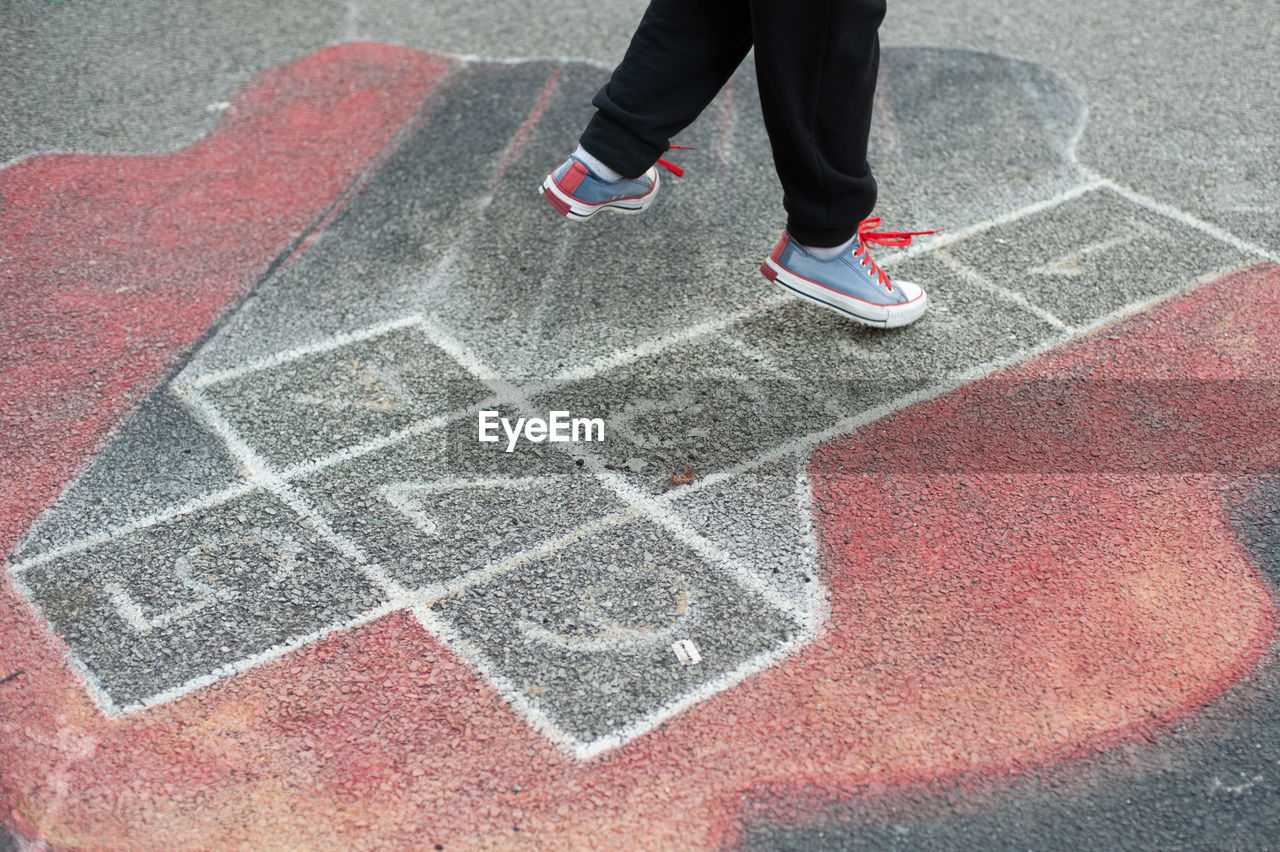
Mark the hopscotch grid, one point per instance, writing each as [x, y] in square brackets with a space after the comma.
[398, 599]
[517, 396]
[213, 420]
[267, 480]
[506, 393]
[651, 506]
[272, 482]
[631, 495]
[436, 331]
[421, 599]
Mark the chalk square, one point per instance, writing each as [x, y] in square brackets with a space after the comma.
[156, 608]
[691, 411]
[857, 368]
[326, 402]
[762, 518]
[441, 505]
[584, 634]
[1093, 255]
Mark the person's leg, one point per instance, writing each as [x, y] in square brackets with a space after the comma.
[680, 56]
[816, 63]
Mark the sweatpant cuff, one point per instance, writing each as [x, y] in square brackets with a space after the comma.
[617, 147]
[819, 237]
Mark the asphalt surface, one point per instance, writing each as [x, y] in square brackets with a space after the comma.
[1003, 579]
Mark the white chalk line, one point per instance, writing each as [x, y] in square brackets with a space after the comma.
[120, 531]
[533, 714]
[1168, 211]
[529, 712]
[657, 345]
[97, 692]
[212, 419]
[924, 245]
[398, 599]
[632, 497]
[422, 427]
[618, 359]
[1072, 150]
[430, 594]
[629, 494]
[693, 697]
[445, 340]
[266, 480]
[281, 358]
[819, 595]
[535, 320]
[660, 512]
[226, 495]
[804, 444]
[266, 655]
[431, 282]
[981, 281]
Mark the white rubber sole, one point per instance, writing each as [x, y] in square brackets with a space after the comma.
[574, 209]
[859, 310]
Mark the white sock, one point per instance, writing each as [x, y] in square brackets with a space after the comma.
[830, 253]
[598, 168]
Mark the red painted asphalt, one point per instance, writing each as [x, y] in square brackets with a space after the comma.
[1009, 586]
[112, 266]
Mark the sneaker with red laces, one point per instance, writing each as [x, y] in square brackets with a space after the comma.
[851, 283]
[576, 191]
[579, 193]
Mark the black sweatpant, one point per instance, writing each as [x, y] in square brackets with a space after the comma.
[816, 62]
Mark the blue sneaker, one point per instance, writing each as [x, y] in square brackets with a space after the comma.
[850, 283]
[577, 193]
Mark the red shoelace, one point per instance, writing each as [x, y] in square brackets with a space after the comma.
[867, 233]
[672, 167]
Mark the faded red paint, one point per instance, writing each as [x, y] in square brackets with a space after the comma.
[112, 266]
[977, 623]
[525, 130]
